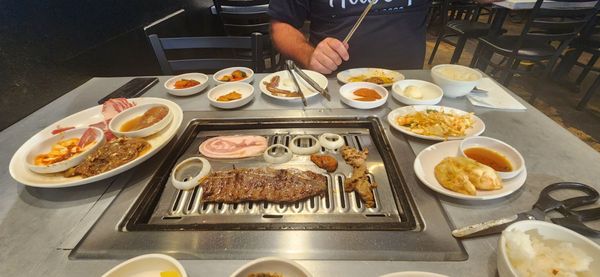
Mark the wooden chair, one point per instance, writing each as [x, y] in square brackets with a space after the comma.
[170, 66]
[460, 19]
[546, 34]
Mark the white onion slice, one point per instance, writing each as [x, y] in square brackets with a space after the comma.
[186, 175]
[331, 141]
[305, 150]
[286, 156]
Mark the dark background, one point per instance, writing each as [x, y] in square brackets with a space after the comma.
[50, 47]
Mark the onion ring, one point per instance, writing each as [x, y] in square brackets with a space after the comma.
[325, 141]
[286, 156]
[179, 176]
[304, 150]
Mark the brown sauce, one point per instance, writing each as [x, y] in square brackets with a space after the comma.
[150, 117]
[490, 158]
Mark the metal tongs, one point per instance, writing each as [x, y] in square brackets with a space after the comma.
[291, 65]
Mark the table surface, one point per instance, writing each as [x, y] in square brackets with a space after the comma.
[528, 4]
[38, 227]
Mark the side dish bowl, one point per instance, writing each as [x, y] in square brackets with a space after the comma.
[282, 266]
[246, 91]
[455, 87]
[503, 148]
[430, 93]
[348, 97]
[147, 265]
[227, 71]
[45, 145]
[123, 117]
[199, 77]
[547, 231]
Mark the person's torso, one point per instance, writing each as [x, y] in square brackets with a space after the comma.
[391, 36]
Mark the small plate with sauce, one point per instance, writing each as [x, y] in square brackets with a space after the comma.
[500, 156]
[363, 95]
[141, 121]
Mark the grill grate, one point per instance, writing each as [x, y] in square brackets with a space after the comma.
[337, 209]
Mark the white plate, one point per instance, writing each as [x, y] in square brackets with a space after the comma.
[344, 76]
[227, 71]
[202, 78]
[426, 161]
[285, 82]
[432, 93]
[19, 171]
[245, 89]
[413, 274]
[348, 97]
[286, 267]
[145, 266]
[475, 130]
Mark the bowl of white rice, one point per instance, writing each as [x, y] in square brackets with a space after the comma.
[455, 80]
[538, 248]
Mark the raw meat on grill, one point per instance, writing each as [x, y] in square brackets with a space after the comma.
[262, 184]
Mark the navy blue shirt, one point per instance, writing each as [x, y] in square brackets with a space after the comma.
[391, 36]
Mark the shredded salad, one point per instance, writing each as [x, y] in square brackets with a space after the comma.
[436, 123]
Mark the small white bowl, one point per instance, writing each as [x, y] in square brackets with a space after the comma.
[146, 265]
[202, 78]
[347, 95]
[515, 158]
[432, 94]
[227, 71]
[46, 145]
[548, 231]
[246, 90]
[115, 124]
[455, 88]
[286, 267]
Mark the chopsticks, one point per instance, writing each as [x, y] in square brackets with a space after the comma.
[359, 21]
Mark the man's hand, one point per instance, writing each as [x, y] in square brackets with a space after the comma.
[328, 55]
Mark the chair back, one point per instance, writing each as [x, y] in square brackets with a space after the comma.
[254, 42]
[556, 25]
[244, 16]
[460, 10]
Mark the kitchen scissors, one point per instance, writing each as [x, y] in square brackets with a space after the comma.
[572, 219]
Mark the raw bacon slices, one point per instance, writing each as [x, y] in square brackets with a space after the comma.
[88, 137]
[114, 106]
[228, 147]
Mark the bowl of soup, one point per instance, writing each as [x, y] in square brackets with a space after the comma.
[500, 156]
[455, 80]
[141, 121]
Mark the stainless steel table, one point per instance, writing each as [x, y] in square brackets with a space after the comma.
[38, 227]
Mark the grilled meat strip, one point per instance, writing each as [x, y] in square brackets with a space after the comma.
[359, 181]
[262, 184]
[272, 87]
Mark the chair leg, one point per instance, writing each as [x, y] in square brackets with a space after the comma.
[588, 95]
[514, 64]
[435, 48]
[586, 69]
[566, 63]
[473, 63]
[460, 45]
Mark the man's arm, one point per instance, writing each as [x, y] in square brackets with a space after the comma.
[324, 58]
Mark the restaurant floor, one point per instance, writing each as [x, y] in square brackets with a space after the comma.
[555, 101]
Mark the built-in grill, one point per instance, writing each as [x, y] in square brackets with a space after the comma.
[150, 216]
[164, 207]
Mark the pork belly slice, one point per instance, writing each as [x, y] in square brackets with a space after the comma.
[262, 184]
